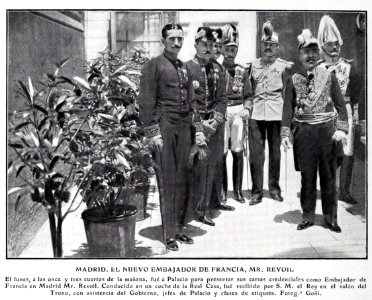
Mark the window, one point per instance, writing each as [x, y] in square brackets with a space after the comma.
[140, 29]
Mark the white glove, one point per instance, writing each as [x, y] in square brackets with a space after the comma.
[200, 139]
[156, 143]
[286, 143]
[339, 135]
[245, 114]
[210, 126]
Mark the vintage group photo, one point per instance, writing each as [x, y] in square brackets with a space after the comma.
[186, 134]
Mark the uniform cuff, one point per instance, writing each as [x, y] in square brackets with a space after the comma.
[247, 104]
[342, 125]
[198, 126]
[151, 131]
[219, 118]
[285, 132]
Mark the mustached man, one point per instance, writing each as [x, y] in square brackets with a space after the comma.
[166, 93]
[268, 77]
[350, 82]
[239, 94]
[312, 99]
[210, 100]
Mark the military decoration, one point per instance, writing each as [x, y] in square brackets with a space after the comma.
[238, 81]
[196, 84]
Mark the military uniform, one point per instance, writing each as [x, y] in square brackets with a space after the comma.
[311, 102]
[268, 85]
[164, 105]
[362, 112]
[210, 102]
[239, 93]
[350, 84]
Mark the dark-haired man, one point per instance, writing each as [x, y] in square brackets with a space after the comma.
[268, 77]
[210, 100]
[239, 94]
[165, 104]
[312, 98]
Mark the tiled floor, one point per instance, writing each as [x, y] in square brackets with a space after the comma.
[267, 230]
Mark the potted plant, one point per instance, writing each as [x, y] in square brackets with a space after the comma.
[43, 165]
[112, 145]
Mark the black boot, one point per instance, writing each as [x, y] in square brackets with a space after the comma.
[238, 176]
[345, 179]
[224, 180]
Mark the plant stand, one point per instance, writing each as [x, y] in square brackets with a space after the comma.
[110, 237]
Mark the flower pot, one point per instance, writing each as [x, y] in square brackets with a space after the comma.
[110, 236]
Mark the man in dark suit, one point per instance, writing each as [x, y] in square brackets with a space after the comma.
[210, 101]
[312, 98]
[165, 104]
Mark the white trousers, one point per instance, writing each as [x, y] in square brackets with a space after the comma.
[234, 129]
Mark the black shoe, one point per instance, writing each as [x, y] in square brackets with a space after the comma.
[224, 179]
[223, 206]
[184, 239]
[333, 227]
[206, 220]
[171, 244]
[239, 197]
[255, 200]
[238, 167]
[276, 196]
[347, 198]
[304, 225]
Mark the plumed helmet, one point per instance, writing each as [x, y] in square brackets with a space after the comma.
[328, 31]
[230, 35]
[204, 34]
[306, 39]
[268, 34]
[217, 33]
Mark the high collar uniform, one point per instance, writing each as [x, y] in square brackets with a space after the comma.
[268, 80]
[239, 95]
[165, 110]
[350, 85]
[210, 101]
[311, 102]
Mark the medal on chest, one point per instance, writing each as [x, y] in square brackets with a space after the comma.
[237, 81]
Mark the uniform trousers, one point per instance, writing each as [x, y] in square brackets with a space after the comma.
[348, 151]
[315, 150]
[258, 132]
[172, 175]
[207, 179]
[234, 129]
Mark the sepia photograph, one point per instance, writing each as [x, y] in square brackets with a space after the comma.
[186, 134]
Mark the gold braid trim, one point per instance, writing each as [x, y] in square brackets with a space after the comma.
[151, 131]
[285, 132]
[342, 125]
[198, 126]
[219, 118]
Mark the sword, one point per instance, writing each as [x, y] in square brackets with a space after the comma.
[246, 153]
[286, 172]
